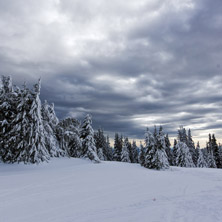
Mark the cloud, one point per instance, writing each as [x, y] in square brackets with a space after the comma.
[129, 64]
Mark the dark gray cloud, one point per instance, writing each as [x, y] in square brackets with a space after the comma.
[130, 65]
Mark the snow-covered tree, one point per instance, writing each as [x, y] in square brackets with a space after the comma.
[88, 142]
[182, 135]
[168, 150]
[33, 145]
[191, 146]
[155, 157]
[134, 158]
[118, 143]
[174, 152]
[210, 156]
[200, 161]
[183, 156]
[50, 122]
[8, 112]
[141, 157]
[108, 150]
[215, 150]
[100, 142]
[125, 151]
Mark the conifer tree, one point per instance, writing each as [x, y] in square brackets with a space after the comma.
[215, 150]
[210, 157]
[155, 157]
[134, 153]
[108, 150]
[88, 142]
[125, 151]
[174, 152]
[191, 147]
[168, 150]
[50, 122]
[141, 157]
[33, 148]
[117, 147]
[100, 141]
[200, 161]
[183, 156]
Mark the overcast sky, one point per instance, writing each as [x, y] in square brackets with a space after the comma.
[131, 64]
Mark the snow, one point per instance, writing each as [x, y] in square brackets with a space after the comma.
[69, 190]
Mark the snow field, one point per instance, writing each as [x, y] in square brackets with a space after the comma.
[76, 190]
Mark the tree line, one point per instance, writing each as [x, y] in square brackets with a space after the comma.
[30, 132]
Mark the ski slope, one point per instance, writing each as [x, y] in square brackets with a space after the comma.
[75, 190]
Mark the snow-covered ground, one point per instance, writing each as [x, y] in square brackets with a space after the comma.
[74, 190]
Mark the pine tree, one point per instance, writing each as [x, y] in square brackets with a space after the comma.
[125, 151]
[33, 145]
[141, 157]
[155, 157]
[117, 147]
[108, 150]
[68, 134]
[8, 112]
[200, 161]
[215, 150]
[174, 152]
[191, 147]
[210, 157]
[183, 156]
[182, 135]
[134, 153]
[88, 142]
[50, 122]
[100, 141]
[168, 150]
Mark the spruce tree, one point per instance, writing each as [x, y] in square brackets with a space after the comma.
[68, 134]
[174, 152]
[88, 142]
[155, 157]
[33, 148]
[134, 153]
[191, 147]
[141, 157]
[200, 160]
[117, 147]
[168, 150]
[50, 122]
[183, 156]
[100, 141]
[125, 151]
[215, 150]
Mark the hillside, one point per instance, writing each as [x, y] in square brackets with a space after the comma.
[75, 190]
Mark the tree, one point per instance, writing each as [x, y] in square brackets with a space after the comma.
[100, 141]
[200, 161]
[141, 155]
[118, 142]
[216, 153]
[50, 122]
[88, 143]
[168, 150]
[125, 151]
[134, 153]
[191, 147]
[68, 134]
[183, 156]
[174, 152]
[210, 155]
[33, 145]
[155, 157]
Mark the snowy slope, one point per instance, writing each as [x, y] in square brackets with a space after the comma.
[74, 190]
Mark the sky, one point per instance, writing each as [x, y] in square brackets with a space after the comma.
[131, 64]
